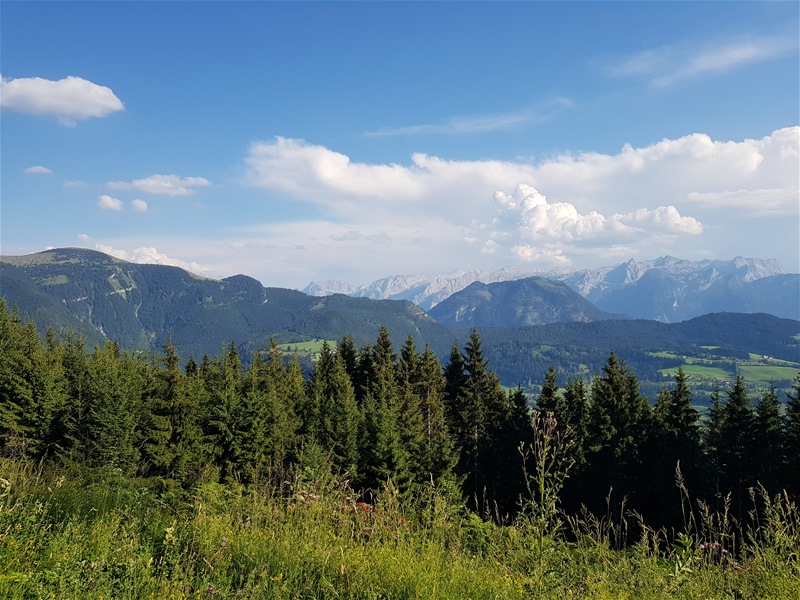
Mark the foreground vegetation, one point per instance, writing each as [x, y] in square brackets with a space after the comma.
[94, 534]
[382, 475]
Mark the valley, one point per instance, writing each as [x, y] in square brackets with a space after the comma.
[528, 324]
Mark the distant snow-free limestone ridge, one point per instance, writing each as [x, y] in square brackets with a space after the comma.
[666, 289]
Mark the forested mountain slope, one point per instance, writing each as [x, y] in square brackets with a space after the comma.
[143, 307]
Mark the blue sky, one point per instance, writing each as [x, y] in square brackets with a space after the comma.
[302, 141]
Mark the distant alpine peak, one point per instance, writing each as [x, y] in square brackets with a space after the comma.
[426, 291]
[328, 288]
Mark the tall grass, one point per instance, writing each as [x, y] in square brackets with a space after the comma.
[94, 534]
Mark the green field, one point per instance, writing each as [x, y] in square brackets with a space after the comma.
[767, 373]
[702, 372]
[305, 348]
[709, 369]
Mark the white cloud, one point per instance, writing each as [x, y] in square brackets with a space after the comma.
[669, 65]
[84, 237]
[526, 215]
[139, 205]
[482, 124]
[753, 203]
[167, 185]
[70, 99]
[646, 201]
[352, 190]
[307, 169]
[38, 170]
[150, 255]
[107, 202]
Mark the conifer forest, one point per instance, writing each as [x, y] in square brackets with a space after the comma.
[382, 473]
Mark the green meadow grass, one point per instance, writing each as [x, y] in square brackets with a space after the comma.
[702, 372]
[96, 535]
[310, 347]
[767, 373]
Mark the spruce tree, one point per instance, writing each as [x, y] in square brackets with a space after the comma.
[382, 453]
[618, 427]
[737, 445]
[674, 442]
[413, 426]
[711, 436]
[769, 440]
[548, 397]
[18, 346]
[114, 397]
[74, 419]
[481, 413]
[439, 456]
[335, 415]
[574, 411]
[226, 424]
[285, 391]
[792, 439]
[170, 434]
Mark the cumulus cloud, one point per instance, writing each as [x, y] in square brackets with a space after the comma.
[538, 230]
[70, 99]
[106, 202]
[139, 205]
[307, 169]
[669, 65]
[150, 255]
[38, 170]
[641, 201]
[351, 190]
[167, 185]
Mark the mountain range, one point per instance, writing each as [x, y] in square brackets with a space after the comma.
[143, 306]
[530, 301]
[527, 324]
[666, 289]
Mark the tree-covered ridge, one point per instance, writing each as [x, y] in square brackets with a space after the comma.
[377, 415]
[144, 307]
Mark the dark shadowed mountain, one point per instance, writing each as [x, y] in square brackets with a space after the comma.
[144, 306]
[529, 301]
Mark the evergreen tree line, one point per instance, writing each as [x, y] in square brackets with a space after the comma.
[376, 414]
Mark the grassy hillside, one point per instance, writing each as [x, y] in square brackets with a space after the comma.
[92, 534]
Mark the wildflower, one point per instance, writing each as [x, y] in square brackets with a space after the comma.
[223, 543]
